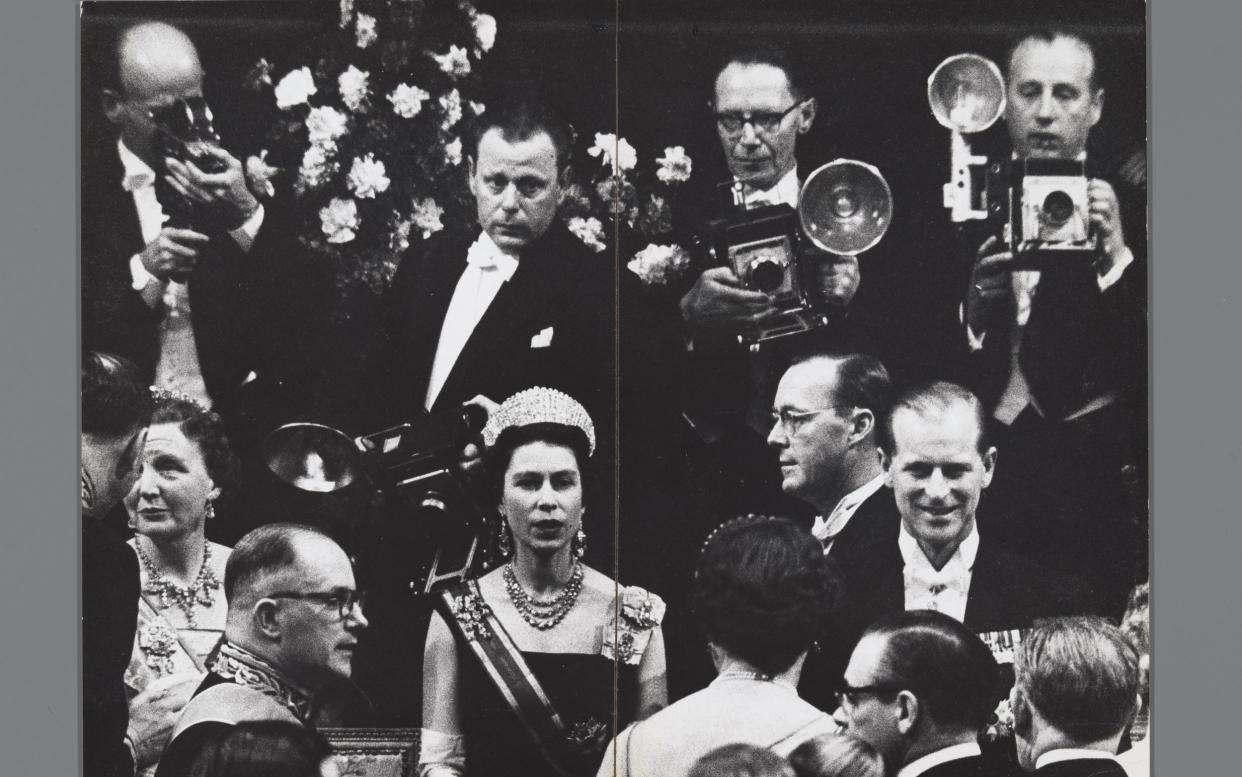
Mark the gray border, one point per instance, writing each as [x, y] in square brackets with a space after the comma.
[1195, 120]
[39, 538]
[1195, 436]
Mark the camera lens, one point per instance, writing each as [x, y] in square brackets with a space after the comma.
[766, 275]
[1058, 207]
[844, 203]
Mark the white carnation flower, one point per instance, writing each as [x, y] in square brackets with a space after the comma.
[608, 144]
[675, 166]
[451, 104]
[408, 100]
[324, 125]
[347, 12]
[339, 219]
[477, 108]
[317, 166]
[456, 62]
[485, 31]
[427, 216]
[452, 152]
[656, 264]
[295, 88]
[364, 30]
[367, 177]
[353, 86]
[589, 231]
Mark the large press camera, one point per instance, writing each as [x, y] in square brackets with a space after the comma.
[1039, 206]
[184, 131]
[432, 529]
[844, 208]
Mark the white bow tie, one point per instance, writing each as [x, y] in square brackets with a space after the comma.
[484, 255]
[936, 581]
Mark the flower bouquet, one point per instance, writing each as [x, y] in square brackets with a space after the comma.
[366, 137]
[635, 202]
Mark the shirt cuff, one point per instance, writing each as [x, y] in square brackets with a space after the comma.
[1123, 260]
[139, 274]
[245, 234]
[974, 340]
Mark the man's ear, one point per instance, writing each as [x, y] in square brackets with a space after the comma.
[806, 116]
[989, 466]
[470, 176]
[908, 712]
[886, 462]
[1097, 106]
[862, 424]
[113, 105]
[266, 620]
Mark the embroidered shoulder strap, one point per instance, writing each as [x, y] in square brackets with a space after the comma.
[474, 623]
[231, 703]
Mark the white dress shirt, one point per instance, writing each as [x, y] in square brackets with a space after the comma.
[487, 269]
[177, 368]
[950, 753]
[944, 589]
[785, 192]
[1071, 754]
[826, 529]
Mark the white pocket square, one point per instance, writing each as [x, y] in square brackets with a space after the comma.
[543, 339]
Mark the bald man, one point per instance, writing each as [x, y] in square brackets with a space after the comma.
[191, 305]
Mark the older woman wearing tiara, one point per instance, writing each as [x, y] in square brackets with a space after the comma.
[519, 666]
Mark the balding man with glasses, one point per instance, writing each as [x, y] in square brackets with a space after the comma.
[293, 624]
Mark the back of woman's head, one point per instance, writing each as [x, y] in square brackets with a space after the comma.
[741, 761]
[836, 755]
[264, 748]
[763, 591]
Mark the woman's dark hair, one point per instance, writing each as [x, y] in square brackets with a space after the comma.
[836, 755]
[206, 430]
[263, 748]
[497, 458]
[763, 591]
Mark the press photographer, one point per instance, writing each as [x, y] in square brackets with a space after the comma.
[1059, 335]
[182, 267]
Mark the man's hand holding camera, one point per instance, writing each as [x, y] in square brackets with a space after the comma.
[173, 253]
[719, 300]
[225, 192]
[1105, 215]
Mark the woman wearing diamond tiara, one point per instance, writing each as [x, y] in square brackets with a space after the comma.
[186, 464]
[762, 590]
[518, 674]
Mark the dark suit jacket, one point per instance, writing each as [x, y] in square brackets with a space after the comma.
[109, 618]
[971, 766]
[262, 311]
[1079, 342]
[1082, 767]
[1006, 590]
[559, 284]
[873, 526]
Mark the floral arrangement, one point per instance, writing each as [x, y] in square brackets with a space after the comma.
[368, 136]
[618, 192]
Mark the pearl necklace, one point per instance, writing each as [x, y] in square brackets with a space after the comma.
[199, 592]
[543, 614]
[760, 677]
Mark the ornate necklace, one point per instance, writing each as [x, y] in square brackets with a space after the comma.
[543, 614]
[184, 597]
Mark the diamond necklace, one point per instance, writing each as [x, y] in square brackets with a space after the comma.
[543, 614]
[184, 597]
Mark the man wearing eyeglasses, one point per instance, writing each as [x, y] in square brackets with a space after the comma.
[293, 625]
[918, 688]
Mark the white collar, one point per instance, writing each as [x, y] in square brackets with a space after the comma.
[944, 755]
[785, 192]
[829, 527]
[138, 174]
[963, 558]
[1072, 754]
[485, 254]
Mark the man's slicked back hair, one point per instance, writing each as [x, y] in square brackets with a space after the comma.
[933, 398]
[521, 118]
[266, 550]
